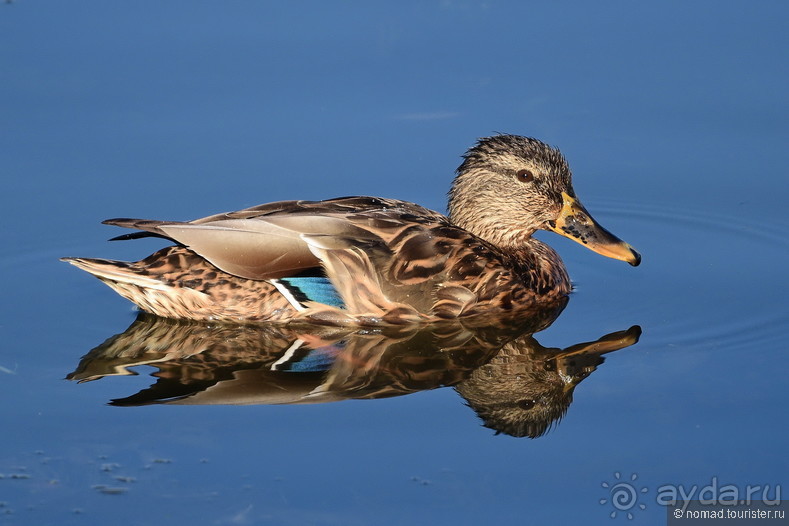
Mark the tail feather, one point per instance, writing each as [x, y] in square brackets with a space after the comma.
[149, 227]
[177, 283]
[137, 235]
[149, 293]
[114, 271]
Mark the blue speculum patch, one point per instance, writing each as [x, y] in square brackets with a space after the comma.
[318, 289]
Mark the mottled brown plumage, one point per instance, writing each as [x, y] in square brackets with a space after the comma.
[513, 383]
[389, 261]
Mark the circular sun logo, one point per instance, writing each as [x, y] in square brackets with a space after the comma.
[623, 495]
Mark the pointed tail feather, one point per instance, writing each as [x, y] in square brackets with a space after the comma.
[148, 293]
[148, 227]
[115, 271]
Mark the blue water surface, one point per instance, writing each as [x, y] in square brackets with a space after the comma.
[672, 115]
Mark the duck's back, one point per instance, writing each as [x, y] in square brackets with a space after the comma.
[354, 260]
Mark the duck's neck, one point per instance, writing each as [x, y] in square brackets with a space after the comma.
[538, 264]
[541, 265]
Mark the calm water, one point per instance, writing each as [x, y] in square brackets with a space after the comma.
[673, 118]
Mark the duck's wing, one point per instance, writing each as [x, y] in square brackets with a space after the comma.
[280, 239]
[338, 206]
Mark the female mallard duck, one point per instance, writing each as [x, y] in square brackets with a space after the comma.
[366, 260]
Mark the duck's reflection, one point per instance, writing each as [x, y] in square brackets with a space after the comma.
[526, 388]
[515, 385]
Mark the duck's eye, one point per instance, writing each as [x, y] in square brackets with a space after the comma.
[526, 404]
[524, 176]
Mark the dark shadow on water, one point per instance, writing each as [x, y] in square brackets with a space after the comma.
[513, 383]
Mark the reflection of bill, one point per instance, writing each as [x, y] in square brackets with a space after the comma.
[516, 385]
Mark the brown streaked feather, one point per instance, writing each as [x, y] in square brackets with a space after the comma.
[265, 242]
[340, 205]
[357, 278]
[175, 282]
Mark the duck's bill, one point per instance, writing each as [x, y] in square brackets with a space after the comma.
[577, 224]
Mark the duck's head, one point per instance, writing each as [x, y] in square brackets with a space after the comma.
[509, 186]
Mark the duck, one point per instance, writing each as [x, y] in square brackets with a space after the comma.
[366, 261]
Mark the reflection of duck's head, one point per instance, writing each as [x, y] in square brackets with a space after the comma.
[517, 394]
[526, 388]
[509, 186]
